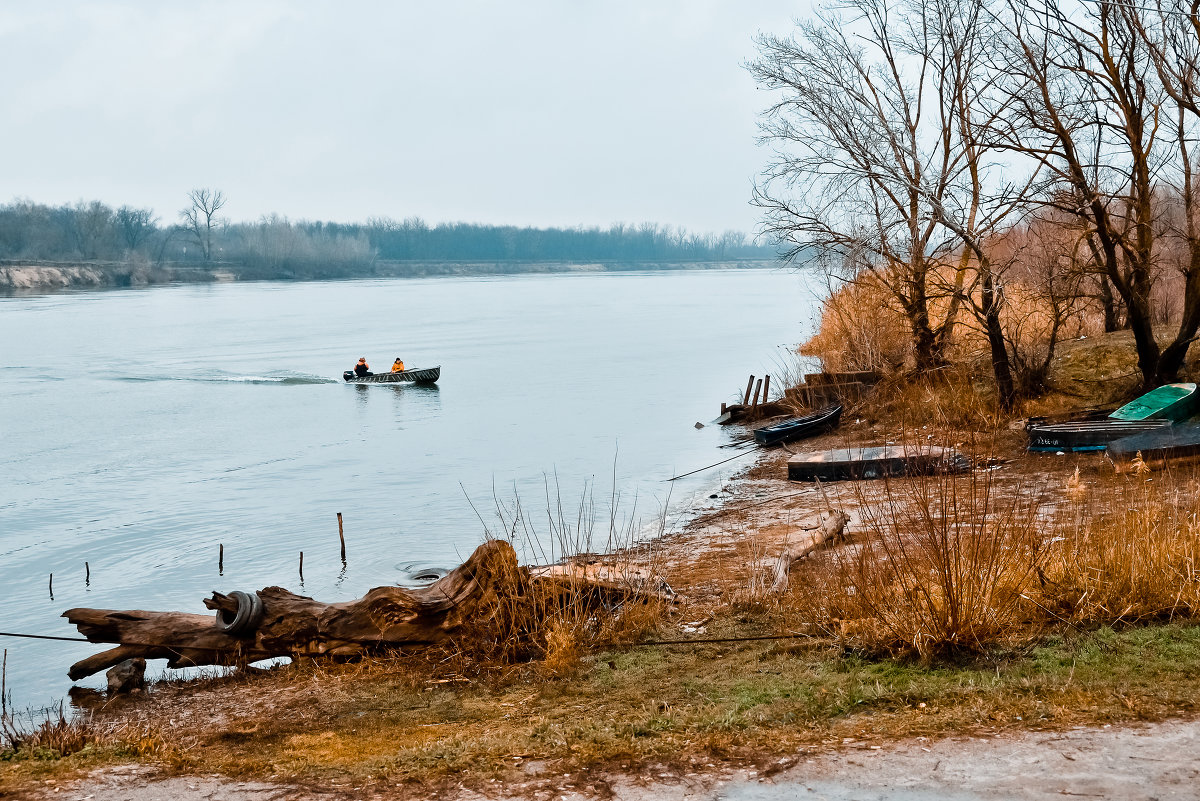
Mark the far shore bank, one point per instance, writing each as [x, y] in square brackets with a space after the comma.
[31, 276]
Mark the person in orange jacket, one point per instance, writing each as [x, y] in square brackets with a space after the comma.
[398, 366]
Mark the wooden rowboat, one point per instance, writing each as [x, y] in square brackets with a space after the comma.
[425, 375]
[799, 427]
[1086, 435]
[1174, 402]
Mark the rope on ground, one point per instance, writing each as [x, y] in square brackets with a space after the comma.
[723, 461]
[710, 640]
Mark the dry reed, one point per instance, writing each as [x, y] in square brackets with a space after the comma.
[950, 565]
[558, 621]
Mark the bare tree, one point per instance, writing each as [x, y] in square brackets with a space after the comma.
[1172, 39]
[1092, 109]
[200, 218]
[134, 225]
[92, 228]
[883, 139]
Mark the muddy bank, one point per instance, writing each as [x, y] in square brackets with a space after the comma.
[17, 277]
[21, 276]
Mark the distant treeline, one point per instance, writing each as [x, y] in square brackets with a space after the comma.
[277, 247]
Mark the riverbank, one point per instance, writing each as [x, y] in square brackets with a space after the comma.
[738, 683]
[730, 705]
[36, 277]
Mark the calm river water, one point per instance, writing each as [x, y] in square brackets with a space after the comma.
[142, 429]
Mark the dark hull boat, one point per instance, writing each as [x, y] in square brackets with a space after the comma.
[1156, 448]
[878, 462]
[799, 427]
[427, 375]
[1086, 435]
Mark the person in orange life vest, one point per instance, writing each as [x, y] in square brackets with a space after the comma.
[362, 368]
[398, 366]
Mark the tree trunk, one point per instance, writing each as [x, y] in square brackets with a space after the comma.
[489, 583]
[1001, 367]
[1112, 315]
[1173, 356]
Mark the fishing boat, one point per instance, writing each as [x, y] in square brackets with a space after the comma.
[877, 462]
[424, 375]
[1174, 402]
[1086, 435]
[799, 427]
[1156, 448]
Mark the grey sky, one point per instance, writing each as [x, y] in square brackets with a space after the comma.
[541, 113]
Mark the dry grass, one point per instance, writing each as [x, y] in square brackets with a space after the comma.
[1129, 552]
[940, 569]
[950, 565]
[555, 621]
[54, 735]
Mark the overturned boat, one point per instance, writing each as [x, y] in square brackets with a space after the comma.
[425, 375]
[876, 462]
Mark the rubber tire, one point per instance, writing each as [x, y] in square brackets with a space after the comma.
[249, 614]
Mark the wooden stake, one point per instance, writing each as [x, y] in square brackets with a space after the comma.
[342, 537]
[51, 586]
[4, 684]
[87, 575]
[723, 408]
[302, 565]
[749, 385]
[221, 559]
[757, 387]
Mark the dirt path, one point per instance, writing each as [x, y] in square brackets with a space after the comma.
[1146, 763]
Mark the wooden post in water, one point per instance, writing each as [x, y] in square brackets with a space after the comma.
[757, 388]
[342, 537]
[749, 385]
[51, 586]
[766, 387]
[87, 575]
[302, 566]
[221, 559]
[723, 408]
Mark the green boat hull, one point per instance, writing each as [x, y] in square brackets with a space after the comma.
[1174, 402]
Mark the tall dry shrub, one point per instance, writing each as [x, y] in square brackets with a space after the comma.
[860, 329]
[557, 621]
[939, 568]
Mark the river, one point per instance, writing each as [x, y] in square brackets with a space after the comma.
[144, 429]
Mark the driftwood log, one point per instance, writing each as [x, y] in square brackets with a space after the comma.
[824, 529]
[281, 623]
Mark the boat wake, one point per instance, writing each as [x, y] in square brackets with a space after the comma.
[281, 378]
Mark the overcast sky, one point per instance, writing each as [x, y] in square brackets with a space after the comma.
[561, 112]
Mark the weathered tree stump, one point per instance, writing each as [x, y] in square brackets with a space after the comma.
[386, 617]
[127, 677]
